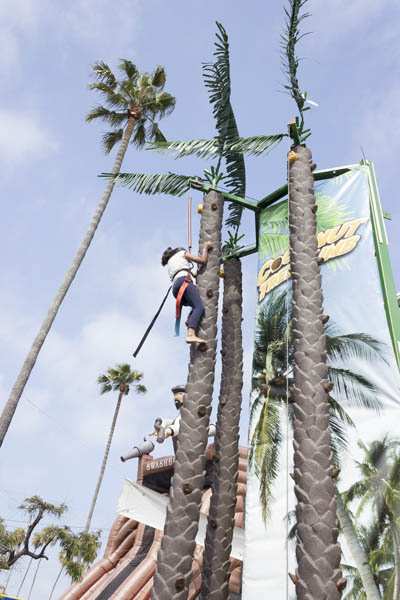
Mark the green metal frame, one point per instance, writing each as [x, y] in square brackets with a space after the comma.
[390, 297]
[382, 256]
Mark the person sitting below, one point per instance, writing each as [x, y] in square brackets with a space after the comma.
[180, 270]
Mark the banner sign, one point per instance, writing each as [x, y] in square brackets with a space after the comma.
[365, 401]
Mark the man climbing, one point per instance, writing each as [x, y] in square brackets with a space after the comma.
[165, 428]
[180, 270]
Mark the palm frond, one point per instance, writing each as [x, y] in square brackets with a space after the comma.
[353, 346]
[158, 77]
[111, 138]
[159, 183]
[155, 133]
[217, 80]
[264, 452]
[235, 179]
[104, 74]
[110, 116]
[113, 98]
[129, 68]
[290, 39]
[139, 135]
[210, 148]
[355, 389]
[162, 105]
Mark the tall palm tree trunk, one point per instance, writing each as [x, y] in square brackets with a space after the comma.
[174, 565]
[104, 463]
[221, 519]
[317, 549]
[357, 551]
[29, 362]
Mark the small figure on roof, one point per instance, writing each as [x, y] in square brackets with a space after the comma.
[165, 428]
[180, 270]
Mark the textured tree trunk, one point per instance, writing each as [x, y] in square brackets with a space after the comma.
[217, 550]
[174, 565]
[357, 551]
[317, 548]
[104, 463]
[24, 374]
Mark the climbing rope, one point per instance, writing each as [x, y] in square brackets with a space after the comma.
[150, 327]
[189, 224]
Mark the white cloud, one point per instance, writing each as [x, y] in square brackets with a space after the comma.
[22, 136]
[98, 22]
[337, 19]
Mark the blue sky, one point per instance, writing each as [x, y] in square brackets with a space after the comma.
[50, 160]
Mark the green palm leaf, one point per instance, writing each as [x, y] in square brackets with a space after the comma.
[111, 138]
[110, 116]
[105, 74]
[129, 69]
[159, 183]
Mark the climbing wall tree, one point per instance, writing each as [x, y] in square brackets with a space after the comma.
[174, 563]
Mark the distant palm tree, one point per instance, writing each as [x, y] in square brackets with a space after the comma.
[272, 377]
[379, 490]
[121, 380]
[132, 105]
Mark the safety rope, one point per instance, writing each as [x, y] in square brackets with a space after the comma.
[150, 327]
[34, 579]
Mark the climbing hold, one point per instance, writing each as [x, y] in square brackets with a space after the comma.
[327, 385]
[324, 319]
[292, 475]
[313, 166]
[292, 156]
[210, 293]
[200, 208]
[335, 471]
[221, 272]
[320, 260]
[225, 310]
[180, 584]
[314, 208]
[202, 410]
[214, 206]
[187, 488]
[341, 584]
[202, 347]
[295, 578]
[213, 523]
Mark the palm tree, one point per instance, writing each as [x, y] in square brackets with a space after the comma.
[132, 105]
[120, 379]
[220, 525]
[273, 379]
[363, 578]
[315, 487]
[379, 489]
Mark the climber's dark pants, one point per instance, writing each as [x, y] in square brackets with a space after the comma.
[191, 297]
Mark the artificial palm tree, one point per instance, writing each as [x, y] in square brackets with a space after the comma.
[132, 106]
[221, 516]
[120, 379]
[317, 549]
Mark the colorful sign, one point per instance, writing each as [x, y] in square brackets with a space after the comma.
[362, 340]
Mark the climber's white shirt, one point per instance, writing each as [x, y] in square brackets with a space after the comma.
[177, 263]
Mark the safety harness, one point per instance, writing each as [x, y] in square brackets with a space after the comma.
[178, 303]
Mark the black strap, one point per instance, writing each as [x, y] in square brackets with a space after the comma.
[150, 327]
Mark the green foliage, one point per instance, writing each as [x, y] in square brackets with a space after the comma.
[120, 379]
[78, 551]
[377, 490]
[140, 96]
[20, 542]
[273, 362]
[158, 183]
[211, 148]
[291, 37]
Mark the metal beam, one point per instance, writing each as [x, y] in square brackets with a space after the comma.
[206, 187]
